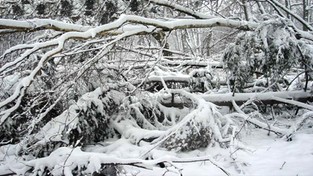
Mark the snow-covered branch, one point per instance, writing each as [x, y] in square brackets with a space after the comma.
[132, 87]
[294, 102]
[225, 99]
[64, 160]
[245, 117]
[40, 24]
[192, 23]
[166, 25]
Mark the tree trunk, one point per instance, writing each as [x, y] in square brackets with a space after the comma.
[305, 13]
[259, 98]
[287, 3]
[246, 9]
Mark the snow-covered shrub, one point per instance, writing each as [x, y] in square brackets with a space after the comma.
[94, 119]
[191, 136]
[270, 51]
[236, 57]
[202, 126]
[157, 111]
[33, 103]
[184, 122]
[88, 121]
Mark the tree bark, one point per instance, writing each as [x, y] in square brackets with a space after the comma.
[287, 4]
[246, 9]
[305, 13]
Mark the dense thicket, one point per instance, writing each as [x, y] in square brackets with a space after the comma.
[146, 75]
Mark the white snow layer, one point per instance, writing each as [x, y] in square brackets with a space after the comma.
[270, 156]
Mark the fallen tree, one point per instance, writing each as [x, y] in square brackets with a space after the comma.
[264, 98]
[77, 90]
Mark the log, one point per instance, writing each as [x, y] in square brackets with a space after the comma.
[258, 98]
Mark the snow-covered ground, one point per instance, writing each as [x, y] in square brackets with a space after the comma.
[269, 156]
[272, 156]
[263, 156]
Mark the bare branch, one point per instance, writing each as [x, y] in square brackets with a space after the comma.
[292, 14]
[181, 8]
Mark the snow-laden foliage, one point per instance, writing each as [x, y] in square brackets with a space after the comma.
[85, 122]
[109, 87]
[107, 114]
[271, 52]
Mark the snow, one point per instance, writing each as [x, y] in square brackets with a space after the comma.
[279, 157]
[131, 131]
[182, 23]
[256, 152]
[227, 97]
[174, 24]
[270, 156]
[8, 84]
[37, 23]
